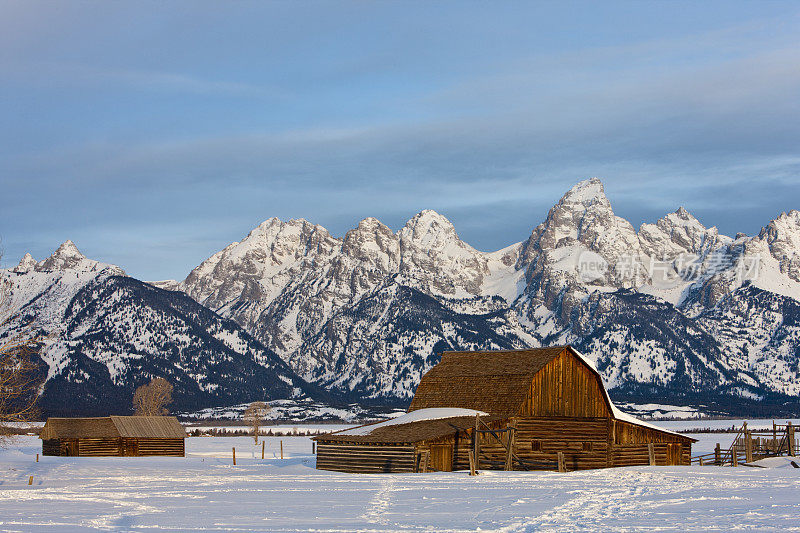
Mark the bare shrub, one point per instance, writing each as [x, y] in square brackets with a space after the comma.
[152, 399]
[20, 374]
[254, 417]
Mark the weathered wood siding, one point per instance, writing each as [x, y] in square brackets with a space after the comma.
[665, 454]
[98, 447]
[584, 441]
[151, 447]
[365, 458]
[106, 447]
[53, 447]
[565, 388]
[442, 453]
[626, 433]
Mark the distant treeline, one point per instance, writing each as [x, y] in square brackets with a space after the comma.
[246, 432]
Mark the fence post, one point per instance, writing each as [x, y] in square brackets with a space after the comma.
[651, 452]
[734, 456]
[281, 448]
[262, 449]
[774, 447]
[748, 446]
[562, 464]
[510, 451]
[37, 457]
[790, 438]
[30, 480]
[313, 448]
[234, 455]
[718, 455]
[472, 463]
[477, 446]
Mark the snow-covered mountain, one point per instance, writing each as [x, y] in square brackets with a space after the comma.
[108, 333]
[672, 312]
[367, 314]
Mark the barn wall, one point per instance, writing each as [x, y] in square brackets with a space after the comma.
[565, 387]
[365, 458]
[151, 447]
[53, 447]
[98, 447]
[584, 441]
[626, 433]
[442, 453]
[587, 443]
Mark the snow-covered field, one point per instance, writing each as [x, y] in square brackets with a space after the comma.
[205, 492]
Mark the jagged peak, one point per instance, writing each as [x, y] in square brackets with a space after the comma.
[586, 192]
[68, 257]
[68, 249]
[368, 225]
[26, 264]
[427, 224]
[274, 227]
[785, 223]
[682, 217]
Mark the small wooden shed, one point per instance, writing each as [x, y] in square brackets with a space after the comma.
[128, 436]
[541, 407]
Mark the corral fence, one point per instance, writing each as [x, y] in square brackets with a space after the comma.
[751, 445]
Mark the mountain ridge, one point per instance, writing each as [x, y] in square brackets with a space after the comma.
[365, 315]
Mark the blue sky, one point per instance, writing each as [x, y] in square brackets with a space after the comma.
[154, 133]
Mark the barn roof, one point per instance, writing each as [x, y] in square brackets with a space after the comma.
[149, 427]
[74, 428]
[496, 382]
[396, 431]
[165, 427]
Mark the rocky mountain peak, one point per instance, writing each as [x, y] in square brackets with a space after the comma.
[67, 256]
[428, 228]
[373, 243]
[26, 264]
[586, 193]
[675, 233]
[782, 237]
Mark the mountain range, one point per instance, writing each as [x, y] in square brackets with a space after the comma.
[673, 312]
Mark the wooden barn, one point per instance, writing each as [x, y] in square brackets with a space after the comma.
[533, 409]
[126, 436]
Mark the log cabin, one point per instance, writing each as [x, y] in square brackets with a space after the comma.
[126, 436]
[535, 409]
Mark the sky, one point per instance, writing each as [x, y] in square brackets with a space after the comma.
[153, 134]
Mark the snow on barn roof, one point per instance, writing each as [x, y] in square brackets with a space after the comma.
[416, 426]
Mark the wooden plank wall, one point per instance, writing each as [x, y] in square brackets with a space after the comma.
[150, 447]
[435, 449]
[52, 447]
[584, 441]
[365, 458]
[665, 454]
[565, 387]
[98, 447]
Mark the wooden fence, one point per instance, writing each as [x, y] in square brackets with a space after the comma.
[752, 445]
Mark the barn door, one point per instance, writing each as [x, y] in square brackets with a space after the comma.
[674, 452]
[72, 448]
[442, 457]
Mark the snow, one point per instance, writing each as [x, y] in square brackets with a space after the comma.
[433, 413]
[205, 492]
